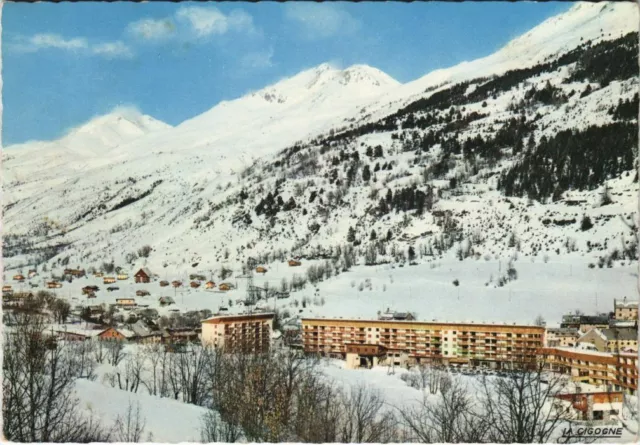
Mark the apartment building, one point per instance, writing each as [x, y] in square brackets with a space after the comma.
[617, 372]
[407, 342]
[561, 337]
[625, 310]
[238, 333]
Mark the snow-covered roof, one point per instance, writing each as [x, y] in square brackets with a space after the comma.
[146, 271]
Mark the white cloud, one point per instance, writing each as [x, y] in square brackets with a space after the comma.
[79, 45]
[113, 50]
[321, 20]
[152, 29]
[205, 21]
[258, 59]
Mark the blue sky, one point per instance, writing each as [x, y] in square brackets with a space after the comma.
[66, 63]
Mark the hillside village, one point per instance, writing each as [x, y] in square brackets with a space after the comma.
[475, 229]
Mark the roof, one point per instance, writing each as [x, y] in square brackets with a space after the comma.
[595, 331]
[146, 271]
[624, 303]
[236, 317]
[620, 334]
[563, 331]
[420, 322]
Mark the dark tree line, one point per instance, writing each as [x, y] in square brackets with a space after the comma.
[405, 199]
[578, 160]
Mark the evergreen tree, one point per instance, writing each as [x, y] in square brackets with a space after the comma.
[411, 254]
[389, 235]
[351, 235]
[366, 173]
[373, 235]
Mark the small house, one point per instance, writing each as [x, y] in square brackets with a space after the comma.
[209, 285]
[54, 285]
[108, 280]
[176, 283]
[294, 263]
[164, 283]
[91, 295]
[89, 290]
[166, 301]
[143, 275]
[98, 274]
[194, 284]
[123, 276]
[261, 270]
[18, 277]
[111, 334]
[7, 289]
[225, 286]
[32, 273]
[142, 293]
[122, 302]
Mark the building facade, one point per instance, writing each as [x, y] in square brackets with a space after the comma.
[238, 333]
[625, 310]
[492, 345]
[617, 372]
[562, 337]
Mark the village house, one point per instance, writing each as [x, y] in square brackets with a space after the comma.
[125, 302]
[625, 310]
[587, 403]
[261, 270]
[238, 333]
[32, 273]
[164, 283]
[111, 333]
[225, 287]
[122, 276]
[621, 339]
[108, 280]
[194, 284]
[6, 289]
[561, 337]
[179, 335]
[18, 277]
[594, 337]
[90, 289]
[294, 263]
[176, 283]
[142, 293]
[165, 301]
[54, 285]
[98, 274]
[209, 285]
[143, 275]
[585, 322]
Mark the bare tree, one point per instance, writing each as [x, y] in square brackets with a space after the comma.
[215, 429]
[364, 419]
[115, 351]
[129, 429]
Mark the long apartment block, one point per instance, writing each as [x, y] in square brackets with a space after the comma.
[496, 345]
[618, 371]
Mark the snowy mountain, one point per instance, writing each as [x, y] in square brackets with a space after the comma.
[463, 161]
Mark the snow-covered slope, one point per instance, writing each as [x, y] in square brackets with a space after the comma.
[187, 190]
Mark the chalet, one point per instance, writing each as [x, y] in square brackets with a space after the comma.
[98, 274]
[89, 289]
[123, 276]
[18, 277]
[114, 334]
[7, 289]
[108, 280]
[164, 283]
[194, 284]
[122, 302]
[176, 283]
[165, 301]
[32, 273]
[142, 293]
[143, 275]
[209, 285]
[75, 272]
[179, 335]
[225, 287]
[294, 263]
[54, 285]
[261, 270]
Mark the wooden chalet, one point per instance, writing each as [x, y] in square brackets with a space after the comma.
[108, 280]
[294, 263]
[176, 283]
[209, 285]
[164, 283]
[98, 274]
[123, 276]
[54, 285]
[194, 284]
[113, 334]
[75, 272]
[142, 293]
[32, 273]
[166, 301]
[6, 289]
[18, 277]
[225, 287]
[89, 290]
[261, 269]
[122, 302]
[143, 275]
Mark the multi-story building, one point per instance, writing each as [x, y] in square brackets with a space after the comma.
[493, 345]
[625, 310]
[585, 322]
[561, 337]
[241, 333]
[618, 372]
